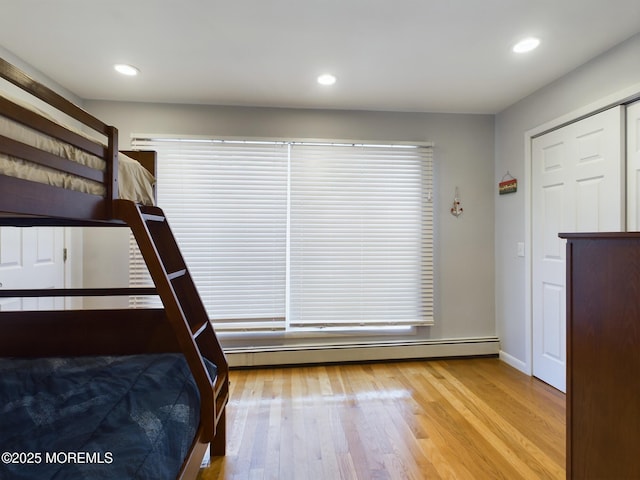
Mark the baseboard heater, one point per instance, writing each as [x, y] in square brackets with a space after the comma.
[339, 353]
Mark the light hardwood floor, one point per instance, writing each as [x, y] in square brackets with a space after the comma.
[452, 419]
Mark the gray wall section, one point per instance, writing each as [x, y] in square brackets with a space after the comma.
[464, 158]
[34, 73]
[614, 71]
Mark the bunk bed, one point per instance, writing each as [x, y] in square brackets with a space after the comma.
[121, 393]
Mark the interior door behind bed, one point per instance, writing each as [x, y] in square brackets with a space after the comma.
[31, 258]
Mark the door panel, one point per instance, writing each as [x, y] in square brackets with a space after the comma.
[551, 335]
[553, 207]
[577, 186]
[31, 258]
[588, 197]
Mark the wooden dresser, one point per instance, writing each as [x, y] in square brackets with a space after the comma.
[603, 355]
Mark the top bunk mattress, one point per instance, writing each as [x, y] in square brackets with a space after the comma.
[134, 181]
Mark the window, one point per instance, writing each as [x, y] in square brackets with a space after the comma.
[300, 236]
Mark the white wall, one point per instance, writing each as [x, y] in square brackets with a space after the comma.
[34, 73]
[615, 71]
[463, 157]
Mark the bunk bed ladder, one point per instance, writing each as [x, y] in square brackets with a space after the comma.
[185, 311]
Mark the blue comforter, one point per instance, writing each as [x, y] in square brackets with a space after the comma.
[107, 417]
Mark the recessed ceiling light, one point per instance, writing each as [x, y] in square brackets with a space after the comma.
[526, 45]
[126, 69]
[326, 79]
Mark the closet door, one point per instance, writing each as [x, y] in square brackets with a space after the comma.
[633, 167]
[577, 186]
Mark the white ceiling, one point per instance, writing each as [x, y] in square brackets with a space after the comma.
[401, 55]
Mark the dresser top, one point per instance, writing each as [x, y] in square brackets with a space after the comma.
[596, 235]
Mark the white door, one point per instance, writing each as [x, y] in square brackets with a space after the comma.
[577, 186]
[31, 258]
[633, 167]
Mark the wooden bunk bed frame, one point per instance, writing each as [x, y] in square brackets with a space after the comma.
[181, 326]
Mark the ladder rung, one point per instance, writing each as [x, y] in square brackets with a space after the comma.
[149, 217]
[176, 274]
[220, 383]
[201, 329]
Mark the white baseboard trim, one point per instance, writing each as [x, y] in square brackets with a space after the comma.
[363, 352]
[514, 362]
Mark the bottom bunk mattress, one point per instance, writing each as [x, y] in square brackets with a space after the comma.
[116, 417]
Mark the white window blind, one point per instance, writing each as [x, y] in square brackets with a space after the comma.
[360, 238]
[301, 236]
[226, 203]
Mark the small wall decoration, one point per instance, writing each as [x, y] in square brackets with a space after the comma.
[456, 209]
[508, 184]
